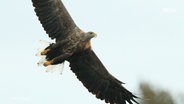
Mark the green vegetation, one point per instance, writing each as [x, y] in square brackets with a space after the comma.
[153, 95]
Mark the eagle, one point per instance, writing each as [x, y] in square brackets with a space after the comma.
[73, 45]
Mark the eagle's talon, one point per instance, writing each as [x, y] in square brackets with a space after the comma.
[47, 63]
[44, 52]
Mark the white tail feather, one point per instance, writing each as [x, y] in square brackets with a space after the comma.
[53, 68]
[42, 60]
[43, 45]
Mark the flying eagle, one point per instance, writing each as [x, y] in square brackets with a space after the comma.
[73, 45]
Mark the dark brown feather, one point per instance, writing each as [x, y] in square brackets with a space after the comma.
[54, 18]
[94, 76]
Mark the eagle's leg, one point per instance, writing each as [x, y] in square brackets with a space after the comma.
[47, 49]
[44, 52]
[58, 59]
[52, 46]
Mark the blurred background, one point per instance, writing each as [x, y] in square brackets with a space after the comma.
[141, 42]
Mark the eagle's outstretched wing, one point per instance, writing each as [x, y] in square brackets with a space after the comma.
[54, 18]
[94, 76]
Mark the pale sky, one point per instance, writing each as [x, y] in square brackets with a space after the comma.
[137, 40]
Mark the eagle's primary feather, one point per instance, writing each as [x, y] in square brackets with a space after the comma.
[73, 45]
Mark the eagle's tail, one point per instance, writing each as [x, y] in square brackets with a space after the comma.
[50, 68]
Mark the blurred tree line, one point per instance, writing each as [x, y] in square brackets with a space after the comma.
[153, 95]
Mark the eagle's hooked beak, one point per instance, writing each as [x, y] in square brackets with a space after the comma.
[94, 35]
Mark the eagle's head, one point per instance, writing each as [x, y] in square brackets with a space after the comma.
[89, 35]
[86, 40]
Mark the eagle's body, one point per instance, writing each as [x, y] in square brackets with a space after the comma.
[73, 45]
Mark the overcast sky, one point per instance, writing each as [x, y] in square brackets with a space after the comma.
[137, 40]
